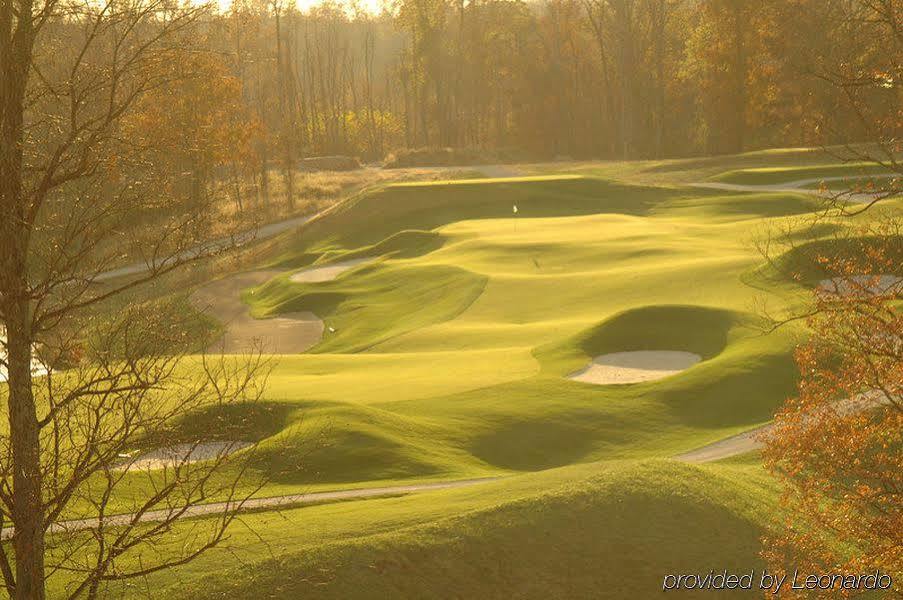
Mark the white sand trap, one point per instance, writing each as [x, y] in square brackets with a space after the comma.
[179, 454]
[869, 285]
[291, 333]
[327, 273]
[634, 367]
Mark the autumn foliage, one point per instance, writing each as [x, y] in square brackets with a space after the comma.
[838, 446]
[195, 121]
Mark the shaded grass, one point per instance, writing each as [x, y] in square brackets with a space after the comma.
[612, 531]
[369, 218]
[811, 262]
[378, 303]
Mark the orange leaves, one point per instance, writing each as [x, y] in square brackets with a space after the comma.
[195, 117]
[838, 446]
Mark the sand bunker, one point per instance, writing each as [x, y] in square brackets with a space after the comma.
[634, 367]
[291, 333]
[328, 272]
[868, 285]
[173, 456]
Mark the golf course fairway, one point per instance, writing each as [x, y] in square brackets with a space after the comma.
[453, 322]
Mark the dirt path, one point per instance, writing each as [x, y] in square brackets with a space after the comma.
[795, 187]
[291, 333]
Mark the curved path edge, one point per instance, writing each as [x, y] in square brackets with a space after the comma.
[798, 186]
[273, 502]
[734, 445]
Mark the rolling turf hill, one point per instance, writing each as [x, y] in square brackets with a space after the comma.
[447, 355]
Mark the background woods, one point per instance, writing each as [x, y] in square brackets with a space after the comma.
[579, 78]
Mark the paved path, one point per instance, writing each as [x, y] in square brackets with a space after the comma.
[259, 233]
[264, 504]
[730, 446]
[725, 448]
[796, 187]
[751, 440]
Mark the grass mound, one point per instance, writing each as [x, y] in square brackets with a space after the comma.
[375, 216]
[377, 303]
[697, 329]
[810, 262]
[245, 421]
[578, 539]
[731, 207]
[410, 243]
[343, 444]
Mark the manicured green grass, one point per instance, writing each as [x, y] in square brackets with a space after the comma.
[608, 530]
[380, 302]
[448, 358]
[503, 310]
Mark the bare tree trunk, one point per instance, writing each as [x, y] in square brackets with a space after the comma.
[738, 139]
[27, 507]
[626, 56]
[659, 18]
[28, 515]
[606, 108]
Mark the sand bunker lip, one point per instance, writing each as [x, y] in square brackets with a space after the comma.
[635, 367]
[181, 454]
[327, 272]
[862, 285]
[291, 333]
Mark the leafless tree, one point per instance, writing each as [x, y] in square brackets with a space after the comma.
[77, 198]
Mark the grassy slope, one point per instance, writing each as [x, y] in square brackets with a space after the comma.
[776, 175]
[449, 359]
[457, 385]
[607, 530]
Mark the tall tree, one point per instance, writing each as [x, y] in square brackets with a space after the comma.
[837, 448]
[75, 190]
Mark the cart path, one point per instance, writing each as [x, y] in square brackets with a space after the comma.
[735, 445]
[798, 186]
[275, 502]
[752, 439]
[271, 230]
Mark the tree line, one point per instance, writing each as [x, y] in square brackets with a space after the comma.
[619, 79]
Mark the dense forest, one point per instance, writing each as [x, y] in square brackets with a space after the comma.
[552, 78]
